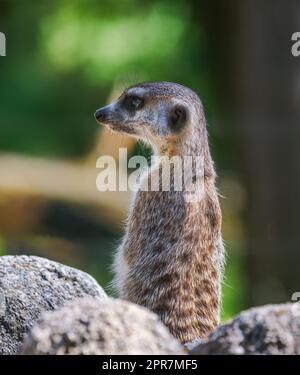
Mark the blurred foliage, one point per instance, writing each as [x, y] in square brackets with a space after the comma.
[75, 39]
[63, 60]
[2, 251]
[234, 283]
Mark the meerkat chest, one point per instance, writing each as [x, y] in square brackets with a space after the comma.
[160, 223]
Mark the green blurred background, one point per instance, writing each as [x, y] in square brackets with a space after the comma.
[65, 59]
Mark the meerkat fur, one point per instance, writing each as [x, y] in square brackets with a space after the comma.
[171, 257]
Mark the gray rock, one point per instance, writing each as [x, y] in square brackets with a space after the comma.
[30, 285]
[88, 326]
[271, 329]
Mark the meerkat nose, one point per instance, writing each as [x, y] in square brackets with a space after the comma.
[99, 114]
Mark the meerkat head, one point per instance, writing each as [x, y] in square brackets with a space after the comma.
[155, 112]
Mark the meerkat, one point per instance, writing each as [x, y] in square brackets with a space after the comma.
[171, 257]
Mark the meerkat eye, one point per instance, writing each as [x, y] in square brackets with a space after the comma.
[136, 102]
[133, 103]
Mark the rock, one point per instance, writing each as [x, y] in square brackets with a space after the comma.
[110, 326]
[270, 329]
[30, 285]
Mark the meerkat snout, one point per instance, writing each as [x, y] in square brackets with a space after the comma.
[102, 114]
[98, 114]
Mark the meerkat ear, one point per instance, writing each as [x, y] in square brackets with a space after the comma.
[177, 118]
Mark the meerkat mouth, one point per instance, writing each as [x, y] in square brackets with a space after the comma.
[118, 128]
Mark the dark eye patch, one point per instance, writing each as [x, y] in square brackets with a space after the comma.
[132, 103]
[177, 118]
